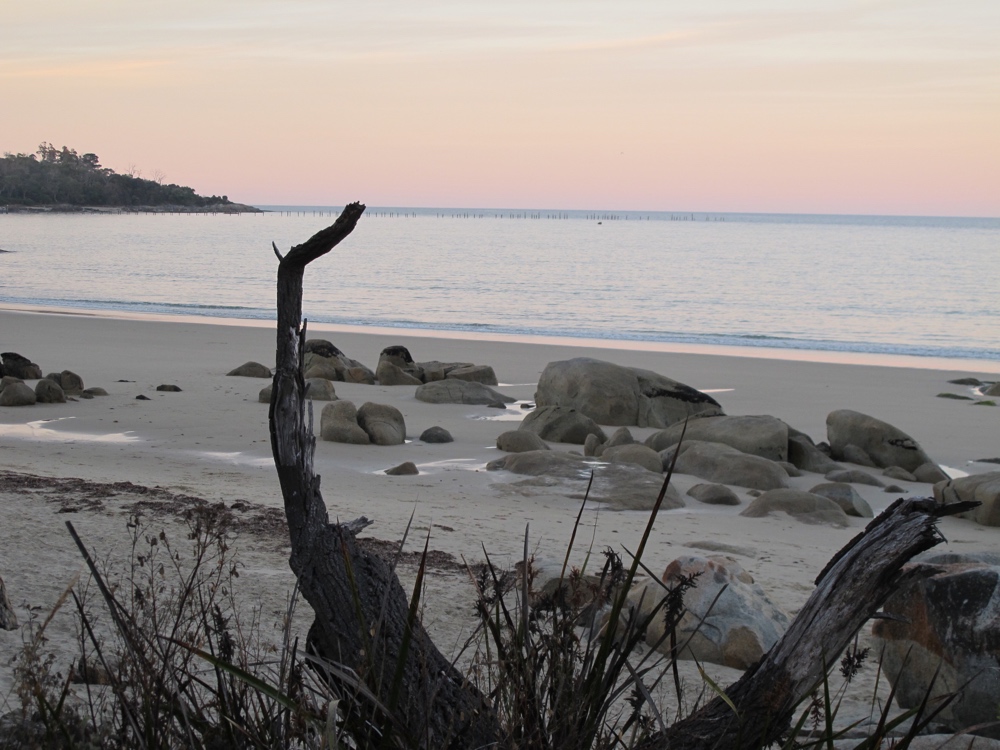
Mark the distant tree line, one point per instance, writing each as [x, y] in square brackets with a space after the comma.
[52, 176]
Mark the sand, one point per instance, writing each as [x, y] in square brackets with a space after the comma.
[211, 441]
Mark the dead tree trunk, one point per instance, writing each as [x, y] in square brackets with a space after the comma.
[362, 618]
[852, 587]
[362, 613]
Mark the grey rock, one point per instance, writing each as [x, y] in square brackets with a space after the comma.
[389, 373]
[474, 373]
[885, 444]
[561, 425]
[20, 367]
[790, 469]
[142, 397]
[592, 445]
[896, 472]
[846, 497]
[520, 441]
[635, 454]
[407, 468]
[436, 434]
[929, 473]
[854, 476]
[8, 379]
[320, 389]
[981, 488]
[893, 489]
[852, 454]
[359, 375]
[69, 381]
[762, 436]
[966, 381]
[621, 436]
[323, 352]
[339, 424]
[250, 370]
[804, 454]
[946, 623]
[325, 369]
[713, 494]
[729, 619]
[724, 464]
[802, 506]
[17, 394]
[615, 395]
[168, 388]
[993, 390]
[383, 423]
[265, 395]
[454, 391]
[94, 391]
[48, 392]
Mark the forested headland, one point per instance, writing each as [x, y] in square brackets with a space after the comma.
[62, 179]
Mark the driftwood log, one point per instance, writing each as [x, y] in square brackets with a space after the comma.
[363, 619]
[8, 619]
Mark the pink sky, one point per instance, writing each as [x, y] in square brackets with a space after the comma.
[887, 107]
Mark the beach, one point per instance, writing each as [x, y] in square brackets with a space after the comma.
[210, 440]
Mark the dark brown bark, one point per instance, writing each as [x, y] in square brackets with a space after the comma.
[362, 618]
[849, 591]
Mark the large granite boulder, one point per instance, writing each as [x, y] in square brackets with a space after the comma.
[762, 436]
[320, 389]
[713, 494]
[947, 622]
[389, 373]
[560, 424]
[545, 462]
[473, 373]
[48, 392]
[338, 423]
[854, 476]
[884, 444]
[7, 380]
[250, 370]
[802, 506]
[804, 455]
[457, 391]
[993, 390]
[614, 395]
[17, 394]
[69, 381]
[436, 435]
[635, 454]
[724, 464]
[383, 423]
[20, 367]
[520, 441]
[322, 353]
[728, 618]
[846, 497]
[983, 488]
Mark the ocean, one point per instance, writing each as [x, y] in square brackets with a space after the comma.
[917, 286]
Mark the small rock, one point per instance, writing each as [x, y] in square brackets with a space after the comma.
[714, 494]
[407, 468]
[521, 441]
[893, 489]
[251, 370]
[141, 397]
[854, 476]
[846, 497]
[168, 388]
[436, 435]
[954, 396]
[930, 473]
[966, 381]
[897, 472]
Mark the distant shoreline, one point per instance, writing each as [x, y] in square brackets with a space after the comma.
[69, 208]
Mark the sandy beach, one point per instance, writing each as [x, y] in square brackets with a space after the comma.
[210, 441]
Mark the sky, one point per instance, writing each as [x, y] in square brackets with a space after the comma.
[792, 106]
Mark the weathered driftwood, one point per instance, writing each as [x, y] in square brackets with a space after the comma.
[849, 591]
[8, 619]
[363, 620]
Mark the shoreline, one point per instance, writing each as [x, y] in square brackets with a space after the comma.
[870, 359]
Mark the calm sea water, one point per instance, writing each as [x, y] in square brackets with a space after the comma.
[912, 286]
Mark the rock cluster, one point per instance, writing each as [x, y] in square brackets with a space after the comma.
[381, 424]
[53, 388]
[397, 367]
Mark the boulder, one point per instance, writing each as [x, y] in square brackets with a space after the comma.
[802, 506]
[713, 494]
[724, 464]
[171, 388]
[322, 352]
[929, 473]
[7, 380]
[635, 454]
[946, 621]
[790, 469]
[846, 497]
[265, 395]
[407, 468]
[852, 454]
[359, 375]
[592, 445]
[615, 395]
[389, 373]
[895, 472]
[546, 462]
[804, 454]
[383, 423]
[982, 488]
[854, 476]
[326, 369]
[69, 381]
[93, 391]
[884, 444]
[474, 373]
[320, 389]
[521, 441]
[993, 390]
[762, 436]
[17, 394]
[456, 391]
[250, 370]
[338, 423]
[561, 425]
[621, 436]
[728, 618]
[436, 435]
[8, 618]
[17, 366]
[48, 392]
